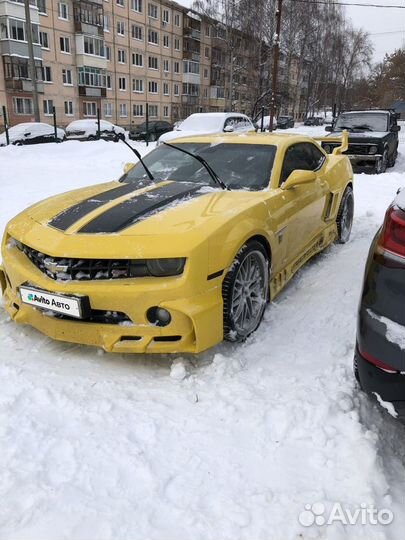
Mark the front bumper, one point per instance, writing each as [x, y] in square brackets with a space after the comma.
[197, 317]
[364, 161]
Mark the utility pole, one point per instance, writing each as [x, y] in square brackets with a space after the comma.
[28, 29]
[276, 55]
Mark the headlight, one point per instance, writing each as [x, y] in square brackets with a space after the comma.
[373, 149]
[166, 267]
[327, 148]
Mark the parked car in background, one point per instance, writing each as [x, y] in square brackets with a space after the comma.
[150, 132]
[209, 123]
[266, 122]
[379, 362]
[314, 121]
[284, 122]
[32, 133]
[86, 130]
[373, 139]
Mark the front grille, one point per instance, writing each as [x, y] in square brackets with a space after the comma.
[98, 316]
[69, 269]
[358, 149]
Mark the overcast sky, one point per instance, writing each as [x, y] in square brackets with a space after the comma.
[376, 21]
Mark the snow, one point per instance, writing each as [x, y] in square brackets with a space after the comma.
[232, 444]
[395, 333]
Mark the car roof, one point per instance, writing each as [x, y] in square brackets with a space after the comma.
[217, 115]
[374, 111]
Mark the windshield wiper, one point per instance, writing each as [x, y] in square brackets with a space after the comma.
[203, 162]
[138, 155]
[344, 127]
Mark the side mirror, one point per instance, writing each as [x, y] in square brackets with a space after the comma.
[329, 128]
[395, 129]
[27, 134]
[128, 167]
[298, 178]
[229, 129]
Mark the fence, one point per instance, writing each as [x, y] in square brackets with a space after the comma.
[53, 121]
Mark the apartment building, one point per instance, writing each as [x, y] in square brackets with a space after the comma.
[113, 55]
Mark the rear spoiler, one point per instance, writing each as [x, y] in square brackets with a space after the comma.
[343, 140]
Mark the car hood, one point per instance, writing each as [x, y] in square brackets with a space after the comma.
[87, 220]
[365, 136]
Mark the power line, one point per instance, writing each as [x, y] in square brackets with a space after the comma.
[357, 4]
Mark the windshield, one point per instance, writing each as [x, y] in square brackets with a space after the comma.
[240, 166]
[201, 123]
[283, 117]
[363, 121]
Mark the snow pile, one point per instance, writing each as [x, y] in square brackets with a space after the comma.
[233, 444]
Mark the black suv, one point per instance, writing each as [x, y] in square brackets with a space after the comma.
[373, 139]
[152, 132]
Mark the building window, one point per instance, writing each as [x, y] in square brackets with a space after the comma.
[121, 28]
[177, 20]
[176, 90]
[121, 56]
[153, 111]
[22, 105]
[153, 37]
[107, 50]
[123, 110]
[64, 44]
[176, 67]
[166, 41]
[44, 40]
[137, 32]
[93, 46]
[46, 74]
[153, 62]
[137, 59]
[190, 89]
[18, 31]
[166, 111]
[177, 44]
[63, 11]
[89, 76]
[41, 5]
[166, 66]
[89, 108]
[108, 109]
[48, 107]
[68, 108]
[205, 92]
[207, 52]
[205, 73]
[207, 30]
[106, 23]
[153, 11]
[166, 16]
[67, 77]
[120, 3]
[136, 5]
[165, 89]
[122, 83]
[109, 81]
[137, 110]
[153, 87]
[137, 86]
[191, 67]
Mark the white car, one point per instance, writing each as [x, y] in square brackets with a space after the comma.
[266, 122]
[207, 123]
[86, 130]
[32, 133]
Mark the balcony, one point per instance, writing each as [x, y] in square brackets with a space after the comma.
[23, 85]
[84, 58]
[89, 17]
[192, 33]
[17, 75]
[92, 91]
[189, 100]
[16, 10]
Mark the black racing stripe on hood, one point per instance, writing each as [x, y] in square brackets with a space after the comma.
[68, 217]
[127, 213]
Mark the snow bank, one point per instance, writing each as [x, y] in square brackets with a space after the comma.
[232, 444]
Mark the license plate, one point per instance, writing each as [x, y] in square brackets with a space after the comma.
[73, 306]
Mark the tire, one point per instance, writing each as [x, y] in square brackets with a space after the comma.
[18, 143]
[344, 220]
[392, 161]
[91, 138]
[245, 292]
[152, 137]
[381, 165]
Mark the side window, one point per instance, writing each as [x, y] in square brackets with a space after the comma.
[231, 122]
[303, 156]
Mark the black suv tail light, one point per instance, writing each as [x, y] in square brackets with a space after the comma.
[392, 238]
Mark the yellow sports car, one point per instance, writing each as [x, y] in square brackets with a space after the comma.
[184, 250]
